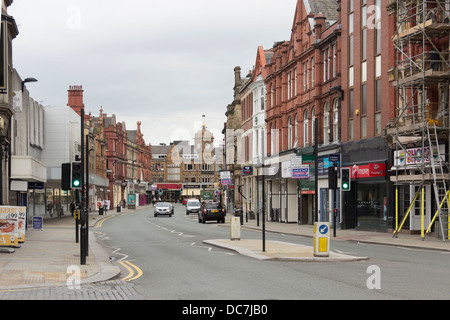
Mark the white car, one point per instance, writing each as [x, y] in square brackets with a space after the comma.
[193, 205]
[163, 208]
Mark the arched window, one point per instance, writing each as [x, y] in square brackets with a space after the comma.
[336, 120]
[272, 140]
[295, 132]
[290, 133]
[305, 129]
[326, 123]
[271, 95]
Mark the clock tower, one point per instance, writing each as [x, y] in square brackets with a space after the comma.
[204, 145]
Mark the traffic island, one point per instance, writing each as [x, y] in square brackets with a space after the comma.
[278, 250]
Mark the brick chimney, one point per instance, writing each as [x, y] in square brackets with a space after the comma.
[319, 25]
[76, 98]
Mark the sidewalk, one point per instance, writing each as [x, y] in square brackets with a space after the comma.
[276, 250]
[43, 259]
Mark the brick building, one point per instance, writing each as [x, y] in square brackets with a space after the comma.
[116, 137]
[368, 105]
[303, 85]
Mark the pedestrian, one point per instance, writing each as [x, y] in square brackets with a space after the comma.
[72, 208]
[124, 203]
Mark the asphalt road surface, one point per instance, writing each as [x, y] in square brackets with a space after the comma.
[167, 260]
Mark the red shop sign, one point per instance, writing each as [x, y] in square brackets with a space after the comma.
[371, 170]
[169, 186]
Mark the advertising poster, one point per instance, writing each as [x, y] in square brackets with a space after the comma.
[21, 224]
[9, 225]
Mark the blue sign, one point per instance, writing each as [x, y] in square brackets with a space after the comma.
[301, 172]
[323, 229]
[247, 170]
[38, 223]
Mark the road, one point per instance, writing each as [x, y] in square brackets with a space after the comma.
[165, 258]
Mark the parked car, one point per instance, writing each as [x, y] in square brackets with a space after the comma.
[185, 200]
[211, 211]
[163, 208]
[193, 205]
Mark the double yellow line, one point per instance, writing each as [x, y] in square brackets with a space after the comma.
[134, 271]
[100, 223]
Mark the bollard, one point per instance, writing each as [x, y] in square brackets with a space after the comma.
[235, 229]
[321, 240]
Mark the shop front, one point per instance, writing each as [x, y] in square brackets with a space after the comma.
[366, 205]
[169, 192]
[371, 198]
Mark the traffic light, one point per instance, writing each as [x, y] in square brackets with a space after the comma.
[332, 178]
[65, 176]
[345, 179]
[76, 175]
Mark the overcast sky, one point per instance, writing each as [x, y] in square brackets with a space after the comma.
[162, 62]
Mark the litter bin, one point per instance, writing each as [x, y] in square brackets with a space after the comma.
[100, 210]
[239, 213]
[119, 208]
[321, 240]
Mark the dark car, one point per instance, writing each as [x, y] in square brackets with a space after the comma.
[211, 211]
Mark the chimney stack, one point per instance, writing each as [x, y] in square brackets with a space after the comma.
[76, 98]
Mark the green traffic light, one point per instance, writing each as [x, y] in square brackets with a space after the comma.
[345, 186]
[76, 183]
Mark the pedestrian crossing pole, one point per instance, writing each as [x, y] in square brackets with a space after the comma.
[83, 198]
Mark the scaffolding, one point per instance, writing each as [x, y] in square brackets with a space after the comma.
[419, 135]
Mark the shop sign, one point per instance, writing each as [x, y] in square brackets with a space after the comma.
[225, 178]
[371, 170]
[247, 170]
[169, 186]
[301, 172]
[416, 156]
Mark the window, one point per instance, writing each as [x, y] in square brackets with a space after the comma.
[307, 75]
[326, 123]
[295, 132]
[336, 120]
[295, 83]
[378, 107]
[289, 85]
[350, 114]
[312, 72]
[290, 132]
[325, 65]
[262, 99]
[334, 60]
[304, 76]
[305, 129]
[271, 95]
[313, 125]
[364, 110]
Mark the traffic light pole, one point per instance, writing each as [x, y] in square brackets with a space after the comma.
[83, 198]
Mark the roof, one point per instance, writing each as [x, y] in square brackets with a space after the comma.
[329, 8]
[160, 149]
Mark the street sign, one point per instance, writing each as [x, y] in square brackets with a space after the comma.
[38, 223]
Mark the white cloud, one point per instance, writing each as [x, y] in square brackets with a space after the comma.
[164, 63]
